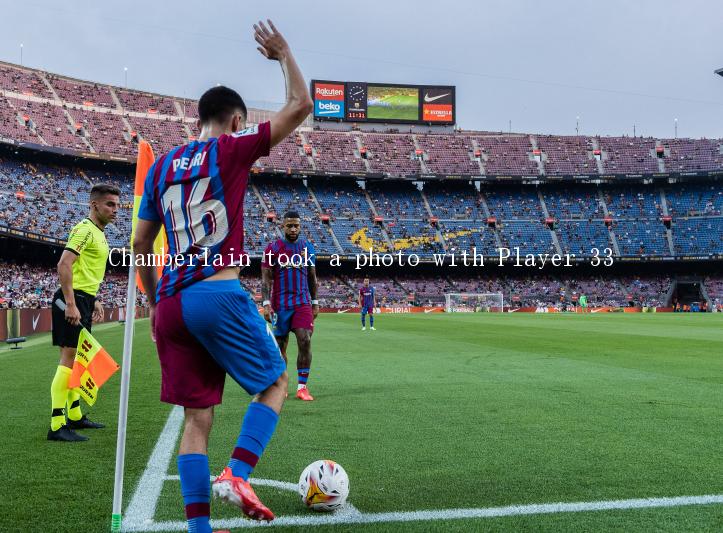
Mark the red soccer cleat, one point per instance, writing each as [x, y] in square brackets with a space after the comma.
[303, 394]
[236, 491]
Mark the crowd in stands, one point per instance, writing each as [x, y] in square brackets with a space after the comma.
[339, 216]
[30, 286]
[26, 286]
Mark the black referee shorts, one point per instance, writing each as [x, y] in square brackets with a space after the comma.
[64, 333]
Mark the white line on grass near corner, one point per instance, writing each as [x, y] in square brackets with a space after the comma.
[143, 505]
[448, 514]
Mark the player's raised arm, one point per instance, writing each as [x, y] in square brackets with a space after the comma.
[273, 46]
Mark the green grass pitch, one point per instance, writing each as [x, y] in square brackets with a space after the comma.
[429, 412]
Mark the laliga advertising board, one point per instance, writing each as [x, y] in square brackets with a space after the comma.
[353, 101]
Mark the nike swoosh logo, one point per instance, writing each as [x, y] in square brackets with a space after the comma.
[340, 311]
[35, 321]
[428, 311]
[429, 99]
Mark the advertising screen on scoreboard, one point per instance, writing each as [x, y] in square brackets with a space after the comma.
[354, 101]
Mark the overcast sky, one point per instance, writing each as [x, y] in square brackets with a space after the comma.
[539, 64]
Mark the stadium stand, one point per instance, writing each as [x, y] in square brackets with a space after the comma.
[628, 155]
[339, 212]
[78, 92]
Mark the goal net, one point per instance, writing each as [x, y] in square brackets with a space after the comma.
[471, 302]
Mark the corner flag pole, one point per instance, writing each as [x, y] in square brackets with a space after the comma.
[120, 449]
[143, 164]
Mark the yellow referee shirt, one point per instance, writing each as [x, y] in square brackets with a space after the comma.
[87, 241]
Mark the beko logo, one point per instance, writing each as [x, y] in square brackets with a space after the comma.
[328, 108]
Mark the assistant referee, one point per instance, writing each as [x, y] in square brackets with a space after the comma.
[81, 270]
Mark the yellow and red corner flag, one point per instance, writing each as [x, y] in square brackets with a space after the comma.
[143, 165]
[92, 367]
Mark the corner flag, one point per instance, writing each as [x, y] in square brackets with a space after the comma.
[92, 367]
[143, 165]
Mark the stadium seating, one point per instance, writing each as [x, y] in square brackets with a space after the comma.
[567, 155]
[628, 155]
[84, 116]
[449, 154]
[398, 200]
[391, 154]
[453, 200]
[78, 92]
[336, 151]
[507, 155]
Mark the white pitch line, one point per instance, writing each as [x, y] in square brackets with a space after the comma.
[448, 514]
[142, 508]
[283, 485]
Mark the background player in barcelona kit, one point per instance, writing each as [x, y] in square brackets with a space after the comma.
[204, 323]
[289, 292]
[367, 302]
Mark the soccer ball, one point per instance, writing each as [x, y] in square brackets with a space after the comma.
[324, 486]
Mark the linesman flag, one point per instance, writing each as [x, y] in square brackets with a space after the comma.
[92, 367]
[143, 165]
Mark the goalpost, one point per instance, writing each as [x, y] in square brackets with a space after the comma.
[473, 302]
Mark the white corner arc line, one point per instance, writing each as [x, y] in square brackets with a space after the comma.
[449, 514]
[282, 485]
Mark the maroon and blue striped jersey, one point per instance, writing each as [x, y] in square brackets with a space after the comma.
[289, 263]
[367, 294]
[197, 191]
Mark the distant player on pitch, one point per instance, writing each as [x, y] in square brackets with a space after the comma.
[81, 270]
[204, 323]
[367, 302]
[289, 291]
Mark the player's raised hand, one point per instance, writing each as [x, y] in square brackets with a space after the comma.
[267, 314]
[272, 43]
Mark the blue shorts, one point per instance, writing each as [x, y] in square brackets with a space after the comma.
[206, 331]
[367, 310]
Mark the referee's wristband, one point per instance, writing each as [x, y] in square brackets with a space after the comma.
[314, 302]
[266, 302]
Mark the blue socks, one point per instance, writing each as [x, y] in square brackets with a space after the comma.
[258, 426]
[371, 321]
[364, 320]
[303, 375]
[196, 491]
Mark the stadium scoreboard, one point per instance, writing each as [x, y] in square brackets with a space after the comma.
[354, 101]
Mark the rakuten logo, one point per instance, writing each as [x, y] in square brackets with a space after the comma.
[323, 92]
[328, 91]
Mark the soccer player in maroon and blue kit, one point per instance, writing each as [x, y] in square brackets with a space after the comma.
[204, 323]
[367, 302]
[289, 292]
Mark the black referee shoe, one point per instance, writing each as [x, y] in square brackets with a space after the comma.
[65, 434]
[84, 423]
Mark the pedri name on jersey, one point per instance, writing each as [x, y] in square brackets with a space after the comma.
[184, 163]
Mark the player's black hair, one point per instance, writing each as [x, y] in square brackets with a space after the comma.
[101, 189]
[218, 104]
[291, 214]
